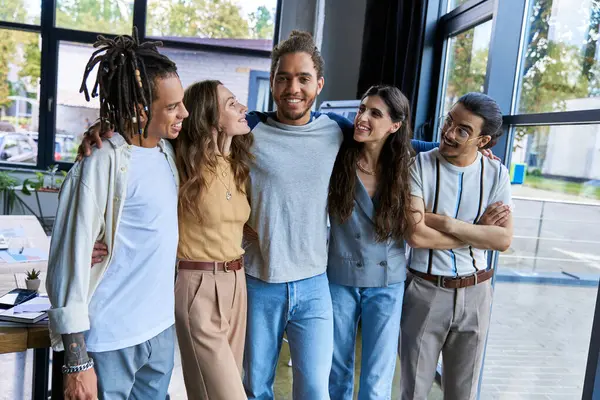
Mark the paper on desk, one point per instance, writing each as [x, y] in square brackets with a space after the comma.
[35, 305]
[12, 232]
[7, 324]
[28, 254]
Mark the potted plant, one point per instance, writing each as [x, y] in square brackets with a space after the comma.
[41, 184]
[33, 279]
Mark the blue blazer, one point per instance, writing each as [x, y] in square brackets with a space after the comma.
[355, 257]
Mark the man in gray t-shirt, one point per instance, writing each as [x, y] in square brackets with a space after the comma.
[447, 301]
[286, 258]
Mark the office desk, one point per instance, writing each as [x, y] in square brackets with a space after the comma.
[13, 340]
[19, 339]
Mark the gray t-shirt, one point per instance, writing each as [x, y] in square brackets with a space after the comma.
[289, 182]
[458, 192]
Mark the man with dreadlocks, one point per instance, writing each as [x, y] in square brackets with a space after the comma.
[115, 320]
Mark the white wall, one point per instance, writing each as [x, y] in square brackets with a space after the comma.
[231, 69]
[574, 150]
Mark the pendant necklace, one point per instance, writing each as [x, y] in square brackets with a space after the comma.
[227, 187]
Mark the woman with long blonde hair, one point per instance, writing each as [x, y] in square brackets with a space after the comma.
[212, 156]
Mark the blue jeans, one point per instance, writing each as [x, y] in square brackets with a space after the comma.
[302, 310]
[380, 309]
[137, 372]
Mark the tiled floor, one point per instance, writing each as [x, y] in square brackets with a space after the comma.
[15, 379]
[537, 348]
[538, 342]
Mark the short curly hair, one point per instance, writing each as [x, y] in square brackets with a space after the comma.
[298, 42]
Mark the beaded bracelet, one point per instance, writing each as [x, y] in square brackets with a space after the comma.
[78, 368]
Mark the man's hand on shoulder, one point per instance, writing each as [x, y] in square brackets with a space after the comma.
[489, 154]
[93, 137]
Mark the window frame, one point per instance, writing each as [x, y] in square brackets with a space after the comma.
[502, 82]
[51, 36]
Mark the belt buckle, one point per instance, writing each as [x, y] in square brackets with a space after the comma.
[440, 281]
[226, 266]
[465, 277]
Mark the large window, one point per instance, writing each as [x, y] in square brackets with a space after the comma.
[43, 56]
[540, 331]
[561, 63]
[466, 63]
[541, 63]
[19, 90]
[107, 16]
[20, 11]
[556, 190]
[73, 113]
[226, 19]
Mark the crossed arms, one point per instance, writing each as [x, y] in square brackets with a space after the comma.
[433, 231]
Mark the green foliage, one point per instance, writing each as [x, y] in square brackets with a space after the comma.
[35, 184]
[14, 121]
[13, 11]
[557, 185]
[7, 185]
[32, 61]
[262, 26]
[467, 68]
[200, 18]
[7, 54]
[33, 274]
[107, 16]
[553, 79]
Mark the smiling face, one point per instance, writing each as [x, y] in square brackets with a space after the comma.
[373, 122]
[168, 111]
[295, 87]
[461, 134]
[232, 114]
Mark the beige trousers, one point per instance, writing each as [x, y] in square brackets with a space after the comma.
[453, 322]
[210, 317]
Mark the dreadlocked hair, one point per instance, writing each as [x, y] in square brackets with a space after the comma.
[125, 80]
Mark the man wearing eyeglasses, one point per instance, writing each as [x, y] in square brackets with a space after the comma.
[448, 298]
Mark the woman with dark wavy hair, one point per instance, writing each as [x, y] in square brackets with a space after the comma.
[369, 205]
[212, 156]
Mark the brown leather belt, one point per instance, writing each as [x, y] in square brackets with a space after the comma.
[456, 282]
[214, 266]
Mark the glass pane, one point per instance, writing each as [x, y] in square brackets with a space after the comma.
[452, 4]
[107, 16]
[547, 281]
[73, 113]
[466, 63]
[20, 58]
[21, 11]
[561, 63]
[246, 24]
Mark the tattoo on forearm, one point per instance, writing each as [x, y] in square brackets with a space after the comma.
[75, 349]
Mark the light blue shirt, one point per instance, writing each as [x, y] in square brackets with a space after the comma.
[134, 301]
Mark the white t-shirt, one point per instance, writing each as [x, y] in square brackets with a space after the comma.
[458, 192]
[135, 298]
